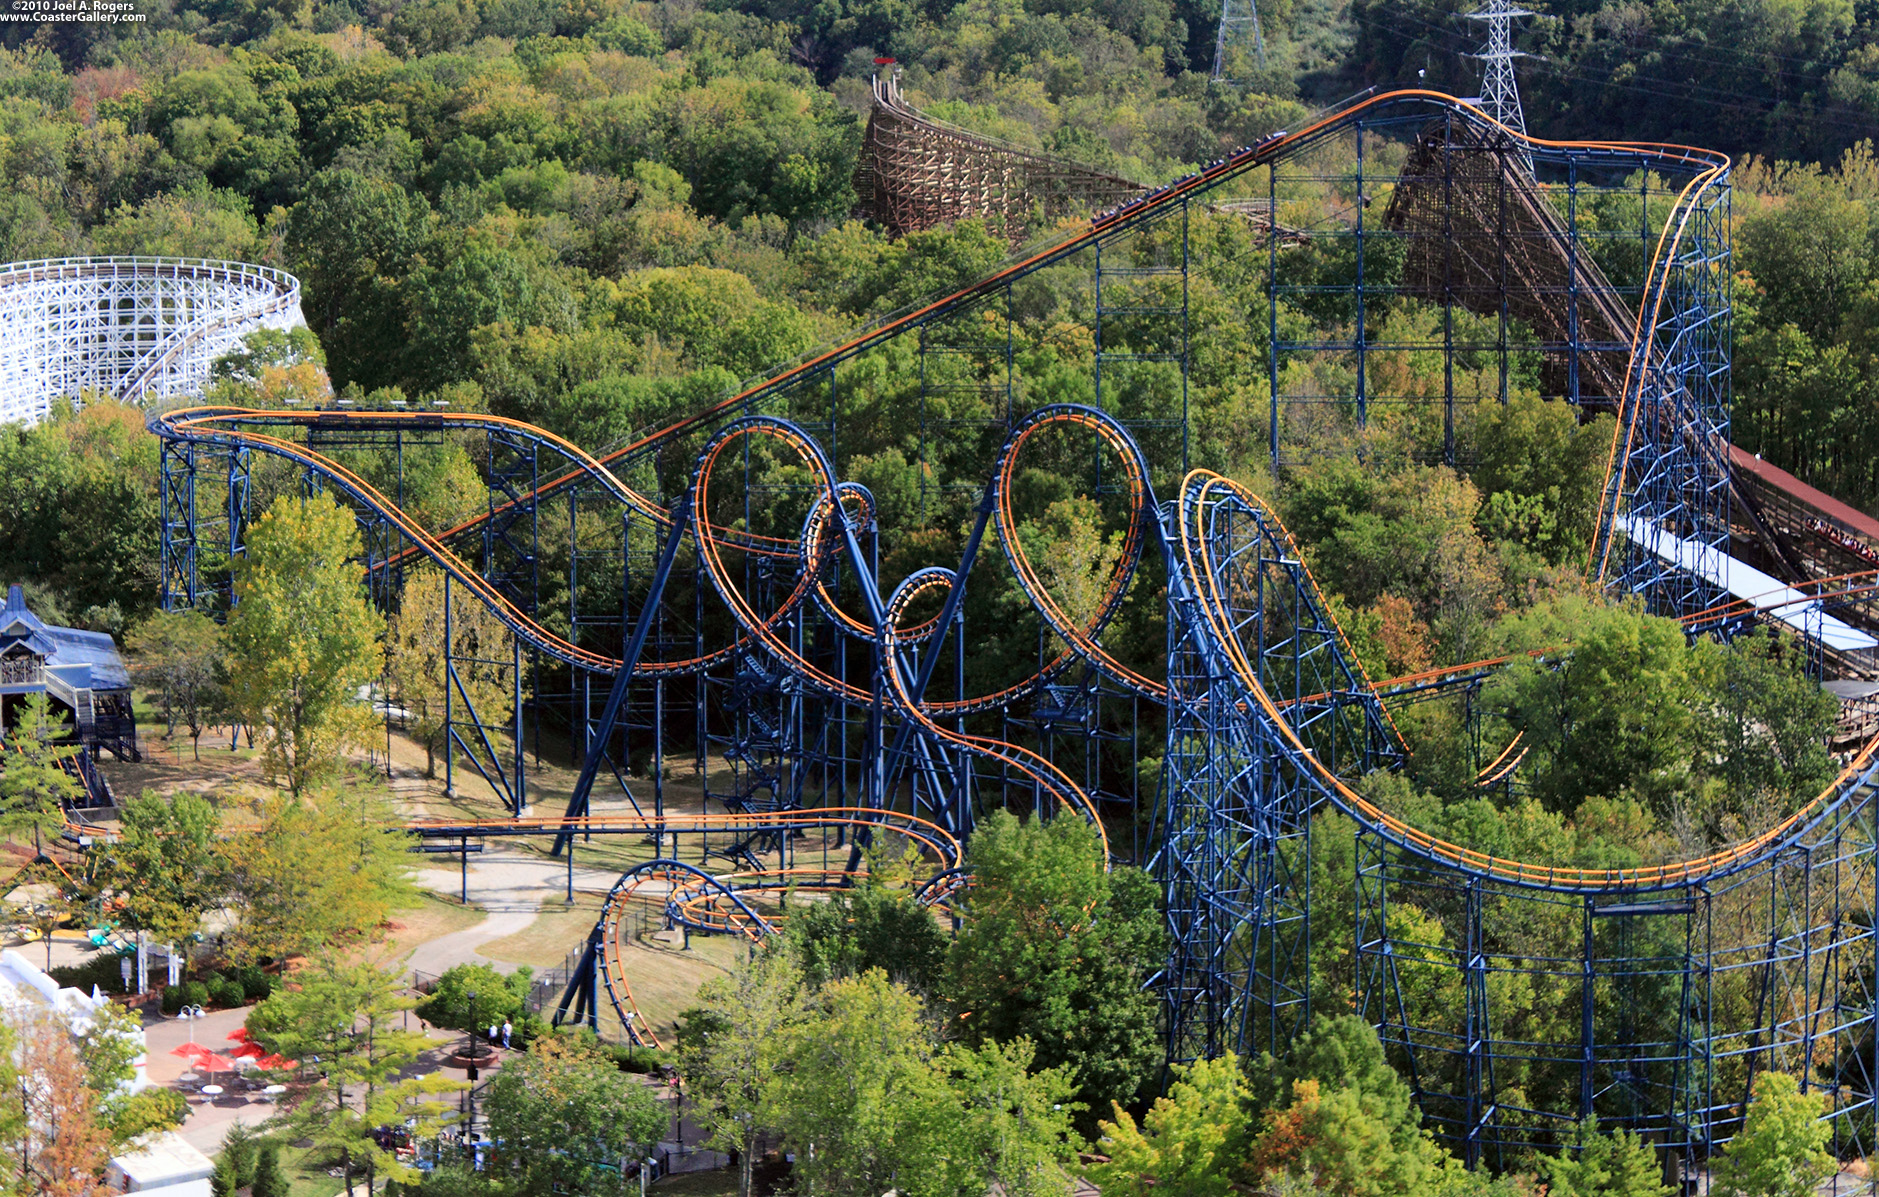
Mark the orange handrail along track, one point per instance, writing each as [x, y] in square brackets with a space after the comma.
[1267, 704]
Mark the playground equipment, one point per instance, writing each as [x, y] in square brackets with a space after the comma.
[717, 588]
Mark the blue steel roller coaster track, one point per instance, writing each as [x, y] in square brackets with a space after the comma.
[1672, 983]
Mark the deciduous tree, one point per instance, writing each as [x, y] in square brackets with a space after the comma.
[853, 1077]
[415, 661]
[1778, 1152]
[564, 1117]
[1336, 1113]
[1192, 1142]
[302, 638]
[341, 1013]
[65, 1143]
[165, 869]
[996, 1126]
[871, 926]
[730, 1047]
[315, 873]
[177, 654]
[1055, 949]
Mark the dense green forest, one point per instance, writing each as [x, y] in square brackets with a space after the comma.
[599, 216]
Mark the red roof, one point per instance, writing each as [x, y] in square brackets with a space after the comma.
[1779, 479]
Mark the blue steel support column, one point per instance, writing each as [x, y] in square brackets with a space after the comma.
[1357, 288]
[579, 800]
[518, 787]
[1588, 981]
[1480, 1063]
[1272, 312]
[450, 751]
[237, 514]
[176, 503]
[1448, 294]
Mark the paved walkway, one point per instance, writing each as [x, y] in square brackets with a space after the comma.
[508, 884]
[207, 1121]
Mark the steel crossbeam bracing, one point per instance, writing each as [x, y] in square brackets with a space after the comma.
[132, 328]
[719, 601]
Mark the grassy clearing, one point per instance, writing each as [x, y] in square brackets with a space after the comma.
[306, 1178]
[431, 918]
[170, 767]
[665, 979]
[546, 942]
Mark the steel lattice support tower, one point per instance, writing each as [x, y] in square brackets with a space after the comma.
[130, 327]
[1517, 996]
[1238, 18]
[1500, 91]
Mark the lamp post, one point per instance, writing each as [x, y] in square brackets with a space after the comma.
[469, 1095]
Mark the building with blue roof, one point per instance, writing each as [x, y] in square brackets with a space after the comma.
[81, 671]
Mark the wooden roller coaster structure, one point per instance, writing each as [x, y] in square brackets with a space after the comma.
[716, 589]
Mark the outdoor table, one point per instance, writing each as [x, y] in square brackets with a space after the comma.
[273, 1092]
[212, 1091]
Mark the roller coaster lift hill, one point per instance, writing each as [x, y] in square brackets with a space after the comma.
[714, 590]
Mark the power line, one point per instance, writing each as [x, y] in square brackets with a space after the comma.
[1685, 91]
[1683, 56]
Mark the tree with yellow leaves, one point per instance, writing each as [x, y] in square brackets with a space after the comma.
[302, 638]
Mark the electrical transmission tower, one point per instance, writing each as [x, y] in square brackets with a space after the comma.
[1500, 93]
[1237, 19]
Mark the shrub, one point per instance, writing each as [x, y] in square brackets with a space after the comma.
[528, 1028]
[225, 990]
[255, 984]
[152, 1109]
[172, 998]
[497, 997]
[195, 993]
[628, 1058]
[100, 969]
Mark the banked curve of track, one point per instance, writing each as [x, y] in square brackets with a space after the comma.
[1707, 168]
[1187, 551]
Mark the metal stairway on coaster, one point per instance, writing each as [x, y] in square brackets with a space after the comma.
[762, 755]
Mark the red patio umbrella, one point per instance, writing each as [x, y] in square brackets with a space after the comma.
[274, 1063]
[239, 1035]
[189, 1051]
[249, 1050]
[212, 1063]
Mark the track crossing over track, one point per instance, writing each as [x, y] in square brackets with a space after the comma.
[1201, 580]
[1257, 755]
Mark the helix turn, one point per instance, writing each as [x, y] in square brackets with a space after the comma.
[1272, 723]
